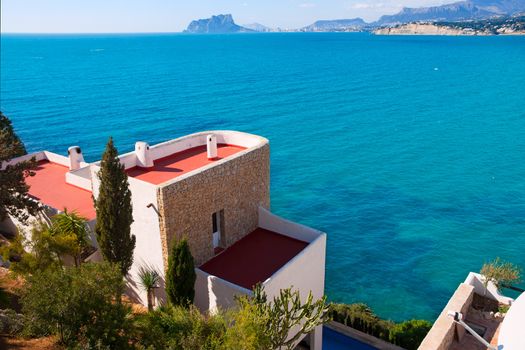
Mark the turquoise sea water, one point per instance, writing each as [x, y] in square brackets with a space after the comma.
[408, 151]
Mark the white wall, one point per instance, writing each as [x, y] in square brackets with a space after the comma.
[80, 178]
[180, 144]
[213, 293]
[275, 223]
[476, 280]
[145, 227]
[306, 273]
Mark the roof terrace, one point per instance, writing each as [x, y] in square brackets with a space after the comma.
[173, 159]
[254, 258]
[49, 187]
[180, 163]
[278, 253]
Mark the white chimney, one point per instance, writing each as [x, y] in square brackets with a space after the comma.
[211, 143]
[144, 159]
[75, 157]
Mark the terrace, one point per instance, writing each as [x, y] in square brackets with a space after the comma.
[180, 163]
[278, 253]
[49, 187]
[480, 309]
[254, 258]
[58, 187]
[172, 160]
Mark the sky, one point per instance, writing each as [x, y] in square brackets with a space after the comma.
[132, 16]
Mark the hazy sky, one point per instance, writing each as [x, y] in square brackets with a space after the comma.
[73, 16]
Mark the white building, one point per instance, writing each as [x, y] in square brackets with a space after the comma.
[212, 188]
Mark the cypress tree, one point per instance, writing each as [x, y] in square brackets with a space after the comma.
[114, 211]
[180, 279]
[13, 187]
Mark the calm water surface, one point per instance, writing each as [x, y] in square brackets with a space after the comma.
[408, 151]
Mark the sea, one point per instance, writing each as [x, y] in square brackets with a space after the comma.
[408, 151]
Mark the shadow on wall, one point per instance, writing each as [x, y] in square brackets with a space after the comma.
[137, 294]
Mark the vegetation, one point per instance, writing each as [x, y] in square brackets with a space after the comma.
[254, 325]
[286, 312]
[114, 211]
[489, 26]
[500, 273]
[79, 305]
[149, 280]
[69, 230]
[177, 327]
[13, 188]
[180, 278]
[408, 334]
[48, 244]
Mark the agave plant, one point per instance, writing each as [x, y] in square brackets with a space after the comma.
[149, 280]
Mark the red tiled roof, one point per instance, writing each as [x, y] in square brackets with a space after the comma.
[49, 187]
[254, 258]
[180, 163]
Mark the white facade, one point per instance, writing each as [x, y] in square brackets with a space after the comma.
[305, 271]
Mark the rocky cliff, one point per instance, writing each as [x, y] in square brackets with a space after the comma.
[215, 25]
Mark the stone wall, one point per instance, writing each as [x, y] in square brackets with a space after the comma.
[238, 187]
[445, 330]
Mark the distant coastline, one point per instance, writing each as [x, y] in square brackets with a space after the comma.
[439, 29]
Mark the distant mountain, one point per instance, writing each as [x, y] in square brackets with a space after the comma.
[257, 27]
[335, 25]
[457, 11]
[216, 25]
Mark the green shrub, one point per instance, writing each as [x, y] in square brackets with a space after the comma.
[176, 327]
[78, 304]
[359, 316]
[180, 278]
[409, 334]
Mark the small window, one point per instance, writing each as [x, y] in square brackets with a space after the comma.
[218, 240]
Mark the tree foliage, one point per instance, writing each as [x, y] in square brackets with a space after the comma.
[500, 273]
[78, 304]
[70, 232]
[409, 334]
[13, 187]
[114, 211]
[48, 245]
[180, 278]
[39, 253]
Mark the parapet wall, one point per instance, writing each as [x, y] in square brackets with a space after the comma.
[444, 330]
[237, 186]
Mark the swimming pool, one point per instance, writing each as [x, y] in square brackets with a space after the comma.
[333, 340]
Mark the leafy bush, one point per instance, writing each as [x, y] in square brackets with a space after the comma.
[500, 273]
[176, 327]
[409, 334]
[79, 305]
[359, 316]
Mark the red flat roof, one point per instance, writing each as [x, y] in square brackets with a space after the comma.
[49, 187]
[180, 163]
[254, 258]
